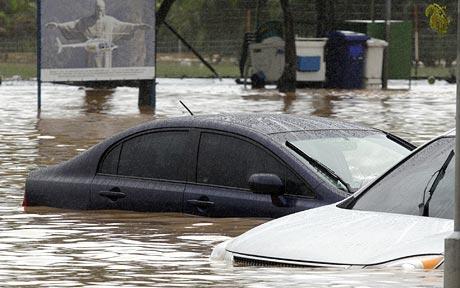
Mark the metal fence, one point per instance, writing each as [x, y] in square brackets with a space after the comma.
[18, 46]
[218, 26]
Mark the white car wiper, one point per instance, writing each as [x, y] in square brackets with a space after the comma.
[424, 207]
[320, 166]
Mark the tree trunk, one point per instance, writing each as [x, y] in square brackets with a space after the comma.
[287, 82]
[162, 13]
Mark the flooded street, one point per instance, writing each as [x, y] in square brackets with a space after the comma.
[45, 247]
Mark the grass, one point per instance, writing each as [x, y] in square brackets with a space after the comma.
[26, 71]
[438, 72]
[165, 69]
[174, 69]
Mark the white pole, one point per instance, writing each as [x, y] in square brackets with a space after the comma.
[386, 53]
[452, 243]
[416, 40]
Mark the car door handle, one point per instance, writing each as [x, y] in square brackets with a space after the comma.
[201, 203]
[112, 195]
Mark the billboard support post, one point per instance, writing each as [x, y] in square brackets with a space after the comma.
[39, 57]
[147, 93]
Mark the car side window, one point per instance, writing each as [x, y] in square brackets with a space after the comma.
[157, 155]
[229, 161]
[109, 164]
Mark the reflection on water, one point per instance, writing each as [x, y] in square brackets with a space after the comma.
[324, 105]
[98, 100]
[49, 247]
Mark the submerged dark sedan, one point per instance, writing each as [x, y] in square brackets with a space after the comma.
[236, 165]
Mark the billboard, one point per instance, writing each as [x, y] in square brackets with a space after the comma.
[97, 40]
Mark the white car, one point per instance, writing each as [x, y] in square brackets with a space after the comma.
[399, 220]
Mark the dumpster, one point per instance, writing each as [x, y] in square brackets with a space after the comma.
[311, 66]
[374, 63]
[267, 59]
[345, 59]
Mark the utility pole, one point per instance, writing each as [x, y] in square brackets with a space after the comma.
[452, 243]
[386, 54]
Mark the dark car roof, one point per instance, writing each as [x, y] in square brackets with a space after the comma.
[268, 123]
[263, 128]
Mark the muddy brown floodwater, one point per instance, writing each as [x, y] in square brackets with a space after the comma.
[56, 248]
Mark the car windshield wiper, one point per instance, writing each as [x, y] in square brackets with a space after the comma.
[320, 166]
[424, 207]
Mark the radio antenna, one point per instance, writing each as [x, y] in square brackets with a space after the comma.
[191, 113]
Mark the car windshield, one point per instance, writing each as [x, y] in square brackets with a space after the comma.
[405, 188]
[356, 159]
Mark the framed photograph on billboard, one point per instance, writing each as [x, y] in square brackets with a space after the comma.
[97, 40]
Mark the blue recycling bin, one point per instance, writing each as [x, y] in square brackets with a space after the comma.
[345, 60]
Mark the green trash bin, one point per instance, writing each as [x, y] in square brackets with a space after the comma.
[400, 48]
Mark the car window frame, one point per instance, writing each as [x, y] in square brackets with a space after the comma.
[138, 134]
[259, 145]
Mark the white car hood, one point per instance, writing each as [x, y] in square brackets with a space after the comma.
[335, 236]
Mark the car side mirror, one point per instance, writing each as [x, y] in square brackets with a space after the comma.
[270, 184]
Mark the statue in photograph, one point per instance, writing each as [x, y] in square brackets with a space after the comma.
[97, 33]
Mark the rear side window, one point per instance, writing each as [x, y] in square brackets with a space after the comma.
[110, 163]
[229, 161]
[159, 155]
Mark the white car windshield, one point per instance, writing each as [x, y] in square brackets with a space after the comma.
[356, 160]
[407, 188]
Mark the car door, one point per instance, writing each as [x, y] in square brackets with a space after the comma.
[224, 164]
[146, 172]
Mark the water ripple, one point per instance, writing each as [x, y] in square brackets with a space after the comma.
[44, 247]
